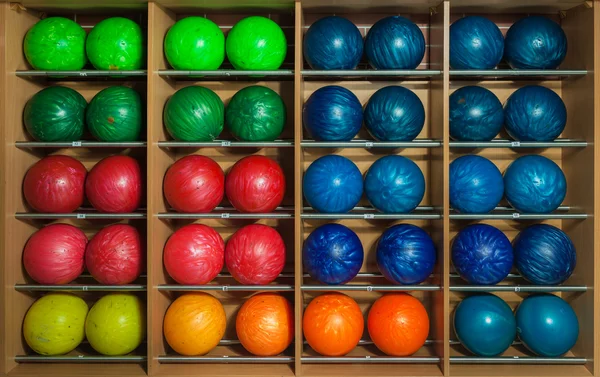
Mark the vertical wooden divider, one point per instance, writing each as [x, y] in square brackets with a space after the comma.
[3, 100]
[596, 206]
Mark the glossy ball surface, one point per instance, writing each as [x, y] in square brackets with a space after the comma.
[116, 43]
[333, 43]
[547, 325]
[394, 184]
[332, 254]
[406, 254]
[333, 324]
[332, 184]
[476, 114]
[114, 185]
[395, 42]
[544, 254]
[476, 184]
[535, 42]
[475, 43]
[265, 324]
[485, 324]
[195, 43]
[332, 113]
[535, 113]
[535, 184]
[394, 113]
[256, 43]
[115, 114]
[482, 254]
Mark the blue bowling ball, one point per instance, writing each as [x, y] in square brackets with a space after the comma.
[544, 254]
[534, 184]
[406, 254]
[394, 113]
[535, 113]
[395, 42]
[547, 325]
[332, 113]
[394, 184]
[333, 43]
[332, 254]
[475, 43]
[485, 324]
[476, 114]
[332, 184]
[535, 42]
[482, 254]
[475, 184]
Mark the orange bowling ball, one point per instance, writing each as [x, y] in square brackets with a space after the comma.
[333, 324]
[265, 324]
[194, 324]
[398, 324]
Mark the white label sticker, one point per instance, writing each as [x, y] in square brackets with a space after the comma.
[369, 289]
[76, 144]
[84, 288]
[225, 288]
[516, 215]
[517, 289]
[515, 144]
[369, 216]
[367, 357]
[369, 144]
[81, 215]
[515, 357]
[80, 356]
[226, 143]
[225, 215]
[83, 74]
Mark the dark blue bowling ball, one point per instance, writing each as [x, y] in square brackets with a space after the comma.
[485, 324]
[544, 254]
[534, 184]
[476, 114]
[395, 42]
[535, 42]
[332, 254]
[394, 113]
[394, 184]
[482, 254]
[332, 113]
[535, 113]
[475, 184]
[547, 325]
[405, 254]
[332, 184]
[475, 43]
[333, 43]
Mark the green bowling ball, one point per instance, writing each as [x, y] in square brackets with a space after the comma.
[115, 114]
[255, 113]
[194, 113]
[116, 44]
[195, 43]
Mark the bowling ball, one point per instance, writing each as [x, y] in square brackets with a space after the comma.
[255, 184]
[394, 113]
[395, 42]
[194, 184]
[114, 185]
[332, 113]
[194, 324]
[56, 113]
[406, 254]
[332, 254]
[398, 324]
[265, 324]
[476, 184]
[116, 43]
[194, 254]
[332, 184]
[114, 256]
[333, 43]
[195, 43]
[544, 254]
[115, 114]
[476, 114]
[54, 44]
[256, 43]
[54, 254]
[194, 113]
[55, 324]
[482, 254]
[394, 184]
[535, 184]
[535, 113]
[475, 43]
[535, 42]
[255, 254]
[55, 184]
[547, 325]
[485, 324]
[255, 113]
[116, 324]
[333, 324]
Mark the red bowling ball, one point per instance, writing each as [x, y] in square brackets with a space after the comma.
[114, 185]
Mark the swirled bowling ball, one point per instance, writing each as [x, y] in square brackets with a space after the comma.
[333, 43]
[256, 43]
[476, 184]
[476, 114]
[475, 43]
[395, 42]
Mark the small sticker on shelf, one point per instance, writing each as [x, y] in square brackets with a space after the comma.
[369, 216]
[517, 289]
[516, 215]
[225, 288]
[225, 215]
[81, 215]
[76, 144]
[369, 144]
[226, 143]
[369, 289]
[83, 74]
[515, 144]
[80, 356]
[84, 288]
[367, 357]
[515, 357]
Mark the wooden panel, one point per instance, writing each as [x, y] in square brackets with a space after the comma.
[3, 96]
